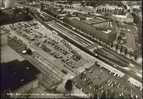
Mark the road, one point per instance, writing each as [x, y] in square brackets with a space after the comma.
[84, 42]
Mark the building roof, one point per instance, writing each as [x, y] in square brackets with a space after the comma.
[15, 74]
[92, 30]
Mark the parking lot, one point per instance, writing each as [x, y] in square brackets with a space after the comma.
[36, 33]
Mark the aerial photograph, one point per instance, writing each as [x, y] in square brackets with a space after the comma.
[71, 49]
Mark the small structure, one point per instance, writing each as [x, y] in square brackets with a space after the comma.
[128, 18]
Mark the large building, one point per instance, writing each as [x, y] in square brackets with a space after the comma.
[101, 34]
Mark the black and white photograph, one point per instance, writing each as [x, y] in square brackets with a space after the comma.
[71, 49]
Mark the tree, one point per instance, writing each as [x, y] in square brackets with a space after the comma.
[16, 11]
[111, 44]
[0, 11]
[136, 18]
[83, 4]
[117, 46]
[126, 51]
[69, 85]
[103, 96]
[70, 2]
[95, 96]
[29, 51]
[42, 6]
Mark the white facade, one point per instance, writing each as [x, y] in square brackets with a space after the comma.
[124, 18]
[135, 82]
[109, 7]
[113, 70]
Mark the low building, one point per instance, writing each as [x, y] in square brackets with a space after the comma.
[18, 77]
[124, 18]
[110, 9]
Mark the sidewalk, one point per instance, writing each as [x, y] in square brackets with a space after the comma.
[8, 54]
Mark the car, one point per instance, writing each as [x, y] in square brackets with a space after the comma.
[118, 85]
[115, 65]
[108, 81]
[24, 51]
[111, 85]
[73, 28]
[115, 74]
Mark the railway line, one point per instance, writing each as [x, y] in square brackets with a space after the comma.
[115, 59]
[70, 34]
